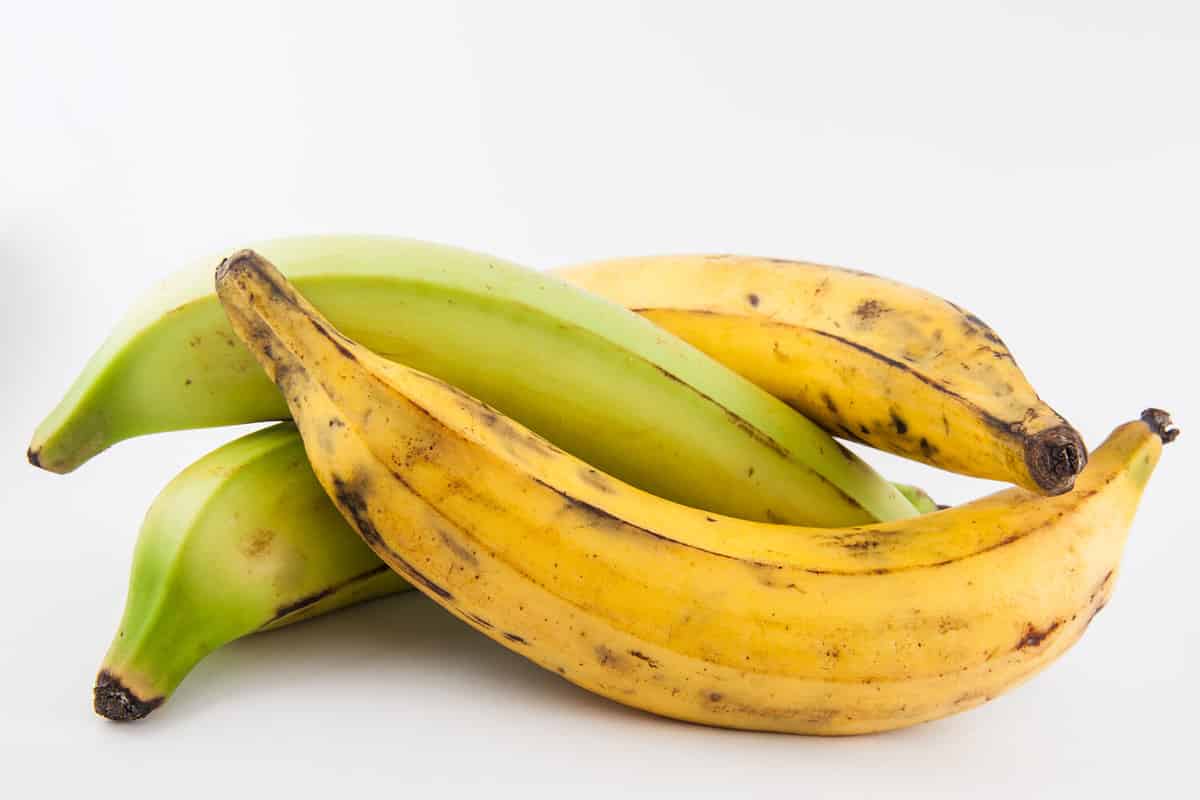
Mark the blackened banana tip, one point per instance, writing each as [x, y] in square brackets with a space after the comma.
[1160, 422]
[1055, 457]
[114, 700]
[241, 260]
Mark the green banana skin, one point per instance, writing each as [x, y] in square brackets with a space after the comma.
[243, 540]
[593, 377]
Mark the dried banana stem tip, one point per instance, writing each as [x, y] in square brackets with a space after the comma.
[115, 701]
[1160, 422]
[1054, 457]
[240, 259]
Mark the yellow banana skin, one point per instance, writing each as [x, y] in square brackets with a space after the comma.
[677, 611]
[867, 358]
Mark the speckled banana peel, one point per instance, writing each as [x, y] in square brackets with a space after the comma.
[598, 380]
[243, 540]
[867, 358]
[677, 611]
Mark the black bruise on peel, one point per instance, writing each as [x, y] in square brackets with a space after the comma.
[315, 597]
[752, 299]
[478, 620]
[899, 424]
[351, 501]
[114, 700]
[512, 637]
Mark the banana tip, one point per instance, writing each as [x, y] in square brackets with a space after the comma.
[1160, 422]
[114, 700]
[242, 259]
[35, 456]
[1055, 457]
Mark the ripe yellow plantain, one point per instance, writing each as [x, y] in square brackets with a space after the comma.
[867, 358]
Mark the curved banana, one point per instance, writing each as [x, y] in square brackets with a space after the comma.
[674, 610]
[867, 358]
[242, 540]
[589, 375]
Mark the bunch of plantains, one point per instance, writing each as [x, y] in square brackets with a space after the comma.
[625, 472]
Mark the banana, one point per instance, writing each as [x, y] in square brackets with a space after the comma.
[589, 375]
[867, 358]
[242, 540]
[674, 610]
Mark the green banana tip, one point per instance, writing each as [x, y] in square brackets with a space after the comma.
[1160, 422]
[113, 700]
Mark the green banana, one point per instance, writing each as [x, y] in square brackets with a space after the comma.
[589, 375]
[243, 540]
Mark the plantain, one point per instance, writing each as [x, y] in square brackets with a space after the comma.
[589, 375]
[869, 359]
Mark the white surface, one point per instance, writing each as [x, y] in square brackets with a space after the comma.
[1037, 163]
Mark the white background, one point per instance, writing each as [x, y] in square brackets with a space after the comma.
[1038, 162]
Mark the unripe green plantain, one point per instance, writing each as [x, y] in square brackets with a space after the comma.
[241, 541]
[589, 375]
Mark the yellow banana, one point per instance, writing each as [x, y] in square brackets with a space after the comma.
[867, 358]
[671, 609]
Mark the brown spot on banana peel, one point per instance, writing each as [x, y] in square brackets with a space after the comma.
[870, 310]
[258, 543]
[752, 299]
[114, 700]
[512, 637]
[1033, 636]
[316, 597]
[607, 658]
[638, 654]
